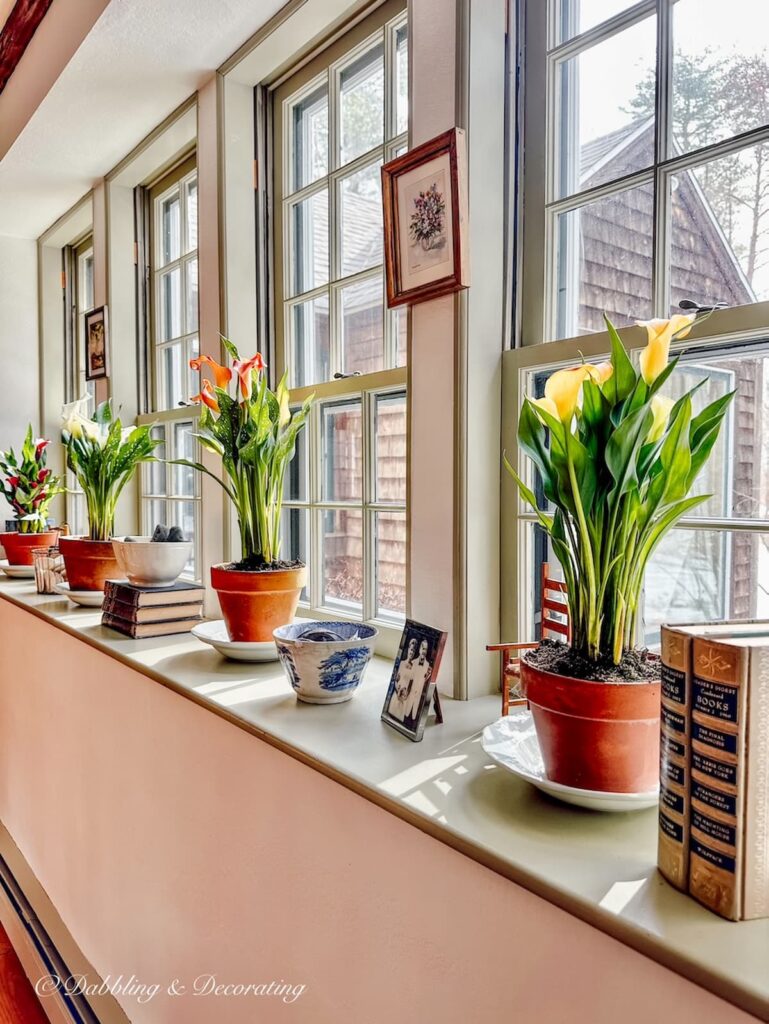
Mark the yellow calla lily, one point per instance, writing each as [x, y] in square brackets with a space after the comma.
[654, 357]
[547, 404]
[600, 373]
[660, 407]
[563, 389]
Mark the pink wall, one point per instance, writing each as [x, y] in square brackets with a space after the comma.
[174, 844]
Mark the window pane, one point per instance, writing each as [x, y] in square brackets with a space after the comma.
[310, 355]
[696, 575]
[602, 135]
[294, 537]
[170, 229]
[184, 515]
[309, 243]
[192, 296]
[391, 564]
[342, 451]
[361, 220]
[309, 133]
[577, 16]
[720, 71]
[172, 377]
[193, 376]
[343, 559]
[391, 448]
[191, 194]
[737, 473]
[361, 104]
[720, 246]
[400, 327]
[604, 262]
[155, 514]
[362, 326]
[401, 79]
[184, 448]
[86, 279]
[155, 472]
[170, 304]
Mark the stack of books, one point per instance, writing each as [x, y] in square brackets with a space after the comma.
[714, 765]
[141, 612]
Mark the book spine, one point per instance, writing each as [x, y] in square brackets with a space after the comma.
[719, 692]
[674, 810]
[119, 625]
[756, 830]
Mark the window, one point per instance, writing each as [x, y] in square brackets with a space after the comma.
[645, 183]
[653, 131]
[171, 494]
[80, 264]
[335, 123]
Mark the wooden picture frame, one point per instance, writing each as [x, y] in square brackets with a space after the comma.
[96, 344]
[424, 196]
[412, 690]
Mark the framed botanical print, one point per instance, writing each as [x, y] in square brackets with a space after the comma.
[96, 344]
[425, 220]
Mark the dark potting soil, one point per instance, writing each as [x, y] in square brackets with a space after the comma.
[554, 656]
[258, 564]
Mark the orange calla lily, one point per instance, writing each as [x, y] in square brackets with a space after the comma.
[654, 357]
[244, 369]
[207, 395]
[222, 375]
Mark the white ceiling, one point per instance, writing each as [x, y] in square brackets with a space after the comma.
[141, 60]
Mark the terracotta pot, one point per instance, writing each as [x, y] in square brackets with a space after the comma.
[256, 603]
[19, 546]
[599, 736]
[89, 563]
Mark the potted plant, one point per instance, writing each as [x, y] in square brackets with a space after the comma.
[29, 487]
[617, 460]
[104, 456]
[254, 434]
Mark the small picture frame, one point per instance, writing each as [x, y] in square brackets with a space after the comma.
[424, 193]
[96, 344]
[412, 684]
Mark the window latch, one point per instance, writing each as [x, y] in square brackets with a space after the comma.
[344, 376]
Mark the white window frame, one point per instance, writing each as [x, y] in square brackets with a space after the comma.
[392, 379]
[166, 420]
[541, 205]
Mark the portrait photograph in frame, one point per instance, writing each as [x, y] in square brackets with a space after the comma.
[96, 344]
[424, 193]
[412, 684]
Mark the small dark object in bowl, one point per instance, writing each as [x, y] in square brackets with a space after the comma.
[160, 536]
[175, 535]
[320, 636]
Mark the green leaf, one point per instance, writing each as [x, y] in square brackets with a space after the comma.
[711, 414]
[623, 380]
[528, 496]
[623, 449]
[229, 347]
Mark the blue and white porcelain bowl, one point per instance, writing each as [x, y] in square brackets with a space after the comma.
[325, 661]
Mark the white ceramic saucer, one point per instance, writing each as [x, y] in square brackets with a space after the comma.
[512, 743]
[215, 634]
[85, 598]
[18, 572]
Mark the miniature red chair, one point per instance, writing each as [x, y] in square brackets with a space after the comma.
[554, 619]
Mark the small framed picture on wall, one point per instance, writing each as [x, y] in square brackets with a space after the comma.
[412, 684]
[96, 344]
[424, 193]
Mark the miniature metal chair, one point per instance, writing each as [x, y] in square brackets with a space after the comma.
[554, 620]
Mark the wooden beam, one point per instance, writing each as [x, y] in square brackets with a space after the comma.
[17, 32]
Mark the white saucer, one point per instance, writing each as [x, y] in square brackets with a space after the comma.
[215, 633]
[85, 598]
[512, 743]
[18, 572]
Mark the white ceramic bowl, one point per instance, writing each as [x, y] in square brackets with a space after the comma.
[151, 564]
[321, 668]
